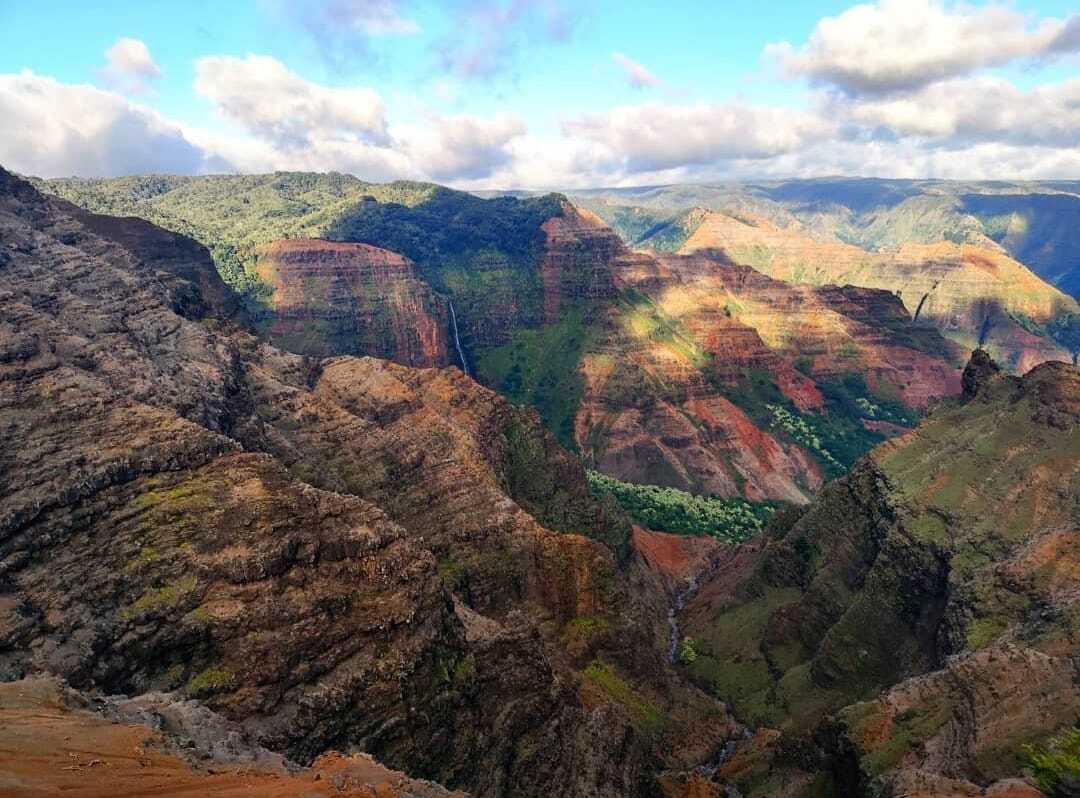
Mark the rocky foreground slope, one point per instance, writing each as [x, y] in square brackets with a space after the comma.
[331, 553]
[57, 741]
[915, 628]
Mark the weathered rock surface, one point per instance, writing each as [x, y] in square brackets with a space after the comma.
[915, 627]
[692, 333]
[57, 741]
[333, 553]
[978, 296]
[333, 298]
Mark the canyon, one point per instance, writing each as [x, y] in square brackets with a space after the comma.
[727, 383]
[236, 558]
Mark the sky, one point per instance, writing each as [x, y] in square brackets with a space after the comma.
[482, 94]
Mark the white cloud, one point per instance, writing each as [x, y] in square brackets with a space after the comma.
[652, 136]
[638, 76]
[343, 30]
[900, 45]
[129, 67]
[967, 127]
[53, 129]
[461, 147]
[268, 100]
[982, 109]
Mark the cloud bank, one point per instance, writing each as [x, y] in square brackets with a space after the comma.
[904, 45]
[898, 90]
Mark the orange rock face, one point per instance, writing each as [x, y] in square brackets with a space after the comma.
[575, 265]
[51, 748]
[343, 298]
[687, 334]
[972, 294]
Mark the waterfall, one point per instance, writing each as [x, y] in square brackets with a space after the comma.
[918, 310]
[457, 340]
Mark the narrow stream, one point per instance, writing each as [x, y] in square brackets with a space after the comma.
[457, 340]
[681, 600]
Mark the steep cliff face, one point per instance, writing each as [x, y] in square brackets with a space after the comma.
[330, 298]
[977, 296]
[330, 553]
[575, 266]
[683, 371]
[939, 571]
[712, 377]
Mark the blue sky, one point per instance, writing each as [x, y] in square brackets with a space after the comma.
[542, 93]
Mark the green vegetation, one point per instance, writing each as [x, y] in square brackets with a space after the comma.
[448, 226]
[672, 510]
[1065, 330]
[687, 651]
[547, 485]
[210, 681]
[802, 433]
[644, 319]
[162, 598]
[234, 214]
[540, 368]
[601, 676]
[452, 573]
[1056, 765]
[837, 437]
[909, 730]
[730, 662]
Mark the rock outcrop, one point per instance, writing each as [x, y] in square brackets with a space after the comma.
[940, 571]
[698, 372]
[330, 553]
[978, 296]
[331, 298]
[58, 741]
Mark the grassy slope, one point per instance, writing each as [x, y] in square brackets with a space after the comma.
[918, 531]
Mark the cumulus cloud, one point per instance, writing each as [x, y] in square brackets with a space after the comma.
[462, 147]
[271, 102]
[129, 67]
[52, 129]
[903, 45]
[638, 76]
[981, 109]
[297, 124]
[488, 33]
[651, 136]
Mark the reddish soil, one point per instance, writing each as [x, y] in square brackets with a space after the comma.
[49, 749]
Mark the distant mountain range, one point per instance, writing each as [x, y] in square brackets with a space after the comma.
[1034, 222]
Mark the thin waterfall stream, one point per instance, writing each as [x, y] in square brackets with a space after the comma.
[457, 340]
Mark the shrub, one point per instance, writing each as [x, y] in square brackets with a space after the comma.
[687, 651]
[1056, 767]
[672, 510]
